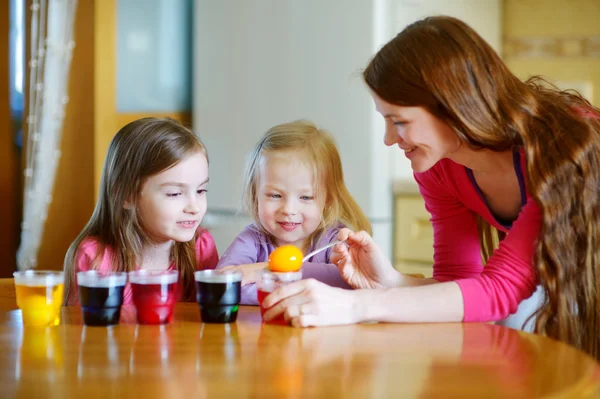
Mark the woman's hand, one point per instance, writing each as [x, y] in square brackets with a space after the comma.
[250, 271]
[362, 263]
[307, 303]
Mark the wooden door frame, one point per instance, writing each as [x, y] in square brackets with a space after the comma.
[10, 209]
[107, 120]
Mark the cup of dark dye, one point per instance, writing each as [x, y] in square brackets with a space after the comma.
[218, 294]
[101, 296]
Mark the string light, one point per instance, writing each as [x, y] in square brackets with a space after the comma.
[46, 105]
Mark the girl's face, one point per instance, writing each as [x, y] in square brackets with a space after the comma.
[172, 203]
[287, 207]
[424, 138]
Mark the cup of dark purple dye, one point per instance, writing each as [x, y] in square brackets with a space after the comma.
[218, 294]
[101, 296]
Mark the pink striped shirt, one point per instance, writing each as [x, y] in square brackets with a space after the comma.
[452, 199]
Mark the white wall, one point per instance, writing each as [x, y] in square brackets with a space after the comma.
[264, 62]
[259, 63]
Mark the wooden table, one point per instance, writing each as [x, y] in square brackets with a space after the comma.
[248, 359]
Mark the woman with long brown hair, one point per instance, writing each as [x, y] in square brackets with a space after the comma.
[493, 156]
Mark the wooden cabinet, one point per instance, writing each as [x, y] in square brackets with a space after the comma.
[413, 235]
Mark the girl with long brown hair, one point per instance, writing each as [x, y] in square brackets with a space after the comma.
[492, 156]
[151, 202]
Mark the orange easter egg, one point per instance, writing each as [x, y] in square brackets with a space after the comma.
[286, 258]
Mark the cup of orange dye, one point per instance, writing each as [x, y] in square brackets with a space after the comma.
[284, 267]
[39, 296]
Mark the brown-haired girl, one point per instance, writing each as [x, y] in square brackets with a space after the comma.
[152, 199]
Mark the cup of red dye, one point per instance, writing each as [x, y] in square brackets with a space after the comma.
[154, 295]
[268, 282]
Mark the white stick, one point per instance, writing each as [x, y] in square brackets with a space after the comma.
[316, 251]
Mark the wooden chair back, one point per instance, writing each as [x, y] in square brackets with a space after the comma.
[8, 299]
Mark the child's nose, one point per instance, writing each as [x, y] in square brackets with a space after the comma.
[192, 206]
[290, 207]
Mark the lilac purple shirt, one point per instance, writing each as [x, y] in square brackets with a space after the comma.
[454, 201]
[253, 246]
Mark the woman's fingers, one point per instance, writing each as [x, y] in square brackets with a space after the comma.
[344, 233]
[362, 238]
[341, 248]
[346, 266]
[299, 310]
[290, 298]
[283, 292]
[313, 304]
[281, 307]
[285, 297]
[346, 270]
[338, 254]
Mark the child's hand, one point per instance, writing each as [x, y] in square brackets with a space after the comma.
[250, 271]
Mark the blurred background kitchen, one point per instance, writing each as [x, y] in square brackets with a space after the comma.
[232, 69]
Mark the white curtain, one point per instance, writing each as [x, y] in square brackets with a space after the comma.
[51, 49]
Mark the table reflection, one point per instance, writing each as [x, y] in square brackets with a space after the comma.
[40, 361]
[99, 356]
[218, 341]
[439, 361]
[319, 361]
[510, 363]
[249, 359]
[151, 350]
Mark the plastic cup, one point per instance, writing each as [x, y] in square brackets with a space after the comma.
[154, 295]
[101, 297]
[269, 282]
[218, 295]
[39, 296]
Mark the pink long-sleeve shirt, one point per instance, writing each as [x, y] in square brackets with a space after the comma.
[453, 199]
